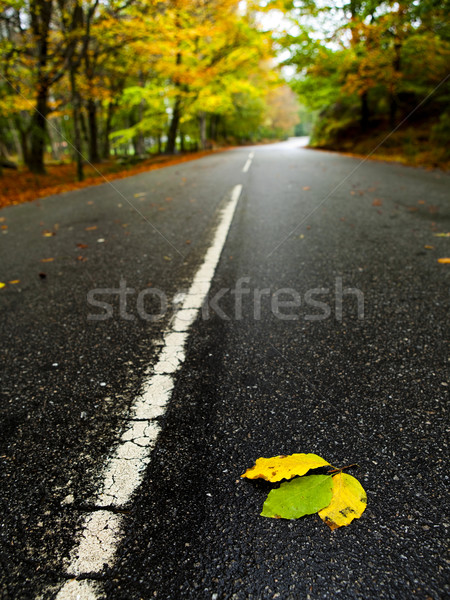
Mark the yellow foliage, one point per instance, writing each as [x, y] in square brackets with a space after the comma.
[284, 467]
[348, 502]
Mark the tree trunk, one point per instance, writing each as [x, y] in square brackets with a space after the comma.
[138, 145]
[364, 112]
[175, 121]
[106, 151]
[22, 138]
[76, 127]
[38, 133]
[202, 126]
[393, 106]
[213, 127]
[392, 110]
[94, 156]
[173, 129]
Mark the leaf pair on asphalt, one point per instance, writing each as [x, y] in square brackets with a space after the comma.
[337, 497]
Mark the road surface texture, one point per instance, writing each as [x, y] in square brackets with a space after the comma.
[323, 329]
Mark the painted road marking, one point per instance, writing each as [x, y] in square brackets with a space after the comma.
[123, 473]
[249, 162]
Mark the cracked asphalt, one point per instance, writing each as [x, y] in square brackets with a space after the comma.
[337, 345]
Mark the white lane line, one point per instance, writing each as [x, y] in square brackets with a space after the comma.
[249, 162]
[123, 473]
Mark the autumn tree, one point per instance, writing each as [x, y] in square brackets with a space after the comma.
[82, 74]
[368, 55]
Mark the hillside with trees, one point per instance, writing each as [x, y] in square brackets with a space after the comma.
[376, 74]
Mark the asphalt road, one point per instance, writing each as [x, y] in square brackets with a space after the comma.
[336, 346]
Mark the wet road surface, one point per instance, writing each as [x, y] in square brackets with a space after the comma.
[323, 328]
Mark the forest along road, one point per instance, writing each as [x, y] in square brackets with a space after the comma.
[170, 328]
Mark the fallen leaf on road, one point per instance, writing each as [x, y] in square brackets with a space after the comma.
[428, 247]
[2, 219]
[82, 246]
[306, 188]
[299, 497]
[444, 261]
[47, 233]
[140, 194]
[284, 467]
[82, 258]
[377, 202]
[92, 228]
[2, 285]
[4, 226]
[337, 497]
[14, 281]
[47, 259]
[167, 258]
[441, 234]
[349, 501]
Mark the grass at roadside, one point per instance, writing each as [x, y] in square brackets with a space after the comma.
[410, 146]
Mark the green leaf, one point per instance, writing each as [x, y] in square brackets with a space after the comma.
[299, 497]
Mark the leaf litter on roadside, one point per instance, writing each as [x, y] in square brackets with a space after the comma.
[337, 497]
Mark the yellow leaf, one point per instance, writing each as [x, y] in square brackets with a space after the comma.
[47, 259]
[92, 228]
[284, 467]
[428, 247]
[444, 261]
[2, 285]
[348, 502]
[14, 281]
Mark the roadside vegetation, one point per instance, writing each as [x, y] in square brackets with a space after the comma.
[83, 81]
[90, 87]
[375, 74]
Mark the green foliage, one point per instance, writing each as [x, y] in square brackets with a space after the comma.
[299, 497]
[361, 64]
[132, 73]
